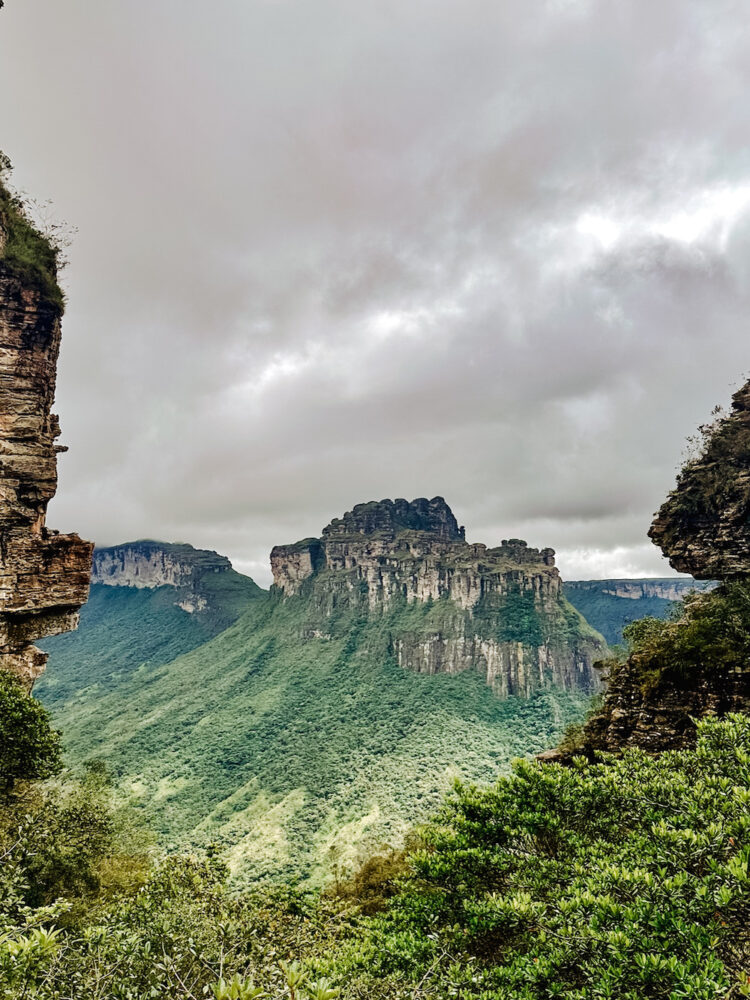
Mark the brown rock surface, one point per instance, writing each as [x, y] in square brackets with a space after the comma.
[662, 716]
[44, 576]
[703, 527]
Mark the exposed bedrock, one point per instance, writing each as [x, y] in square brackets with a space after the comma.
[499, 610]
[44, 576]
[703, 527]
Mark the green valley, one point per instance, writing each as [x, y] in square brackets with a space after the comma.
[334, 712]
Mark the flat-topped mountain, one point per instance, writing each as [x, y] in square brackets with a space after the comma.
[150, 602]
[500, 610]
[147, 563]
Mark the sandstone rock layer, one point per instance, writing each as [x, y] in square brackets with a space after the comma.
[44, 576]
[448, 605]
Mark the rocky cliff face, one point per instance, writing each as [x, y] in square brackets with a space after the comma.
[703, 527]
[699, 664]
[154, 564]
[500, 610]
[44, 576]
[660, 714]
[150, 564]
[667, 589]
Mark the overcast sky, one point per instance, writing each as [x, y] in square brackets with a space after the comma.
[332, 251]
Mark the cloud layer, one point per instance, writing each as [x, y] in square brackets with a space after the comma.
[334, 252]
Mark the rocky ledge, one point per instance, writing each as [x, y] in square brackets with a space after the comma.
[497, 609]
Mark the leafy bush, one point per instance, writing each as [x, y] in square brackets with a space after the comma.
[30, 746]
[626, 879]
[706, 632]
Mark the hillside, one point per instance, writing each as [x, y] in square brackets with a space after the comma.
[140, 613]
[610, 605]
[337, 709]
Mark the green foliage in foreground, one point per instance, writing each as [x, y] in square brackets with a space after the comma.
[30, 746]
[298, 756]
[706, 632]
[29, 254]
[623, 880]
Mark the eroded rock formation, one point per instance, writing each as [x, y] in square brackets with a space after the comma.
[703, 527]
[667, 589]
[654, 697]
[659, 713]
[44, 576]
[500, 610]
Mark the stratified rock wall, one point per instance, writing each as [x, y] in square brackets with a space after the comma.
[703, 527]
[149, 564]
[497, 610]
[44, 576]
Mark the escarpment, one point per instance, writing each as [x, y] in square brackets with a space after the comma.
[44, 576]
[448, 605]
[150, 564]
[202, 582]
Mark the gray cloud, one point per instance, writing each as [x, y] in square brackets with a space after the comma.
[332, 252]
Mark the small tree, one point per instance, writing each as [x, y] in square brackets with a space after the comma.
[29, 746]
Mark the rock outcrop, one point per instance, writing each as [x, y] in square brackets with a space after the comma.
[500, 610]
[699, 664]
[660, 714]
[44, 576]
[150, 564]
[703, 527]
[194, 574]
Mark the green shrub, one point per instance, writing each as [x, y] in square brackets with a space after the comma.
[30, 746]
[625, 880]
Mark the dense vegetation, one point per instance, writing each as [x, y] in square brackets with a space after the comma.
[26, 252]
[124, 628]
[30, 747]
[297, 757]
[705, 631]
[623, 880]
[626, 879]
